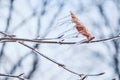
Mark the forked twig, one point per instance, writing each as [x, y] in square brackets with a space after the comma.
[53, 61]
[49, 41]
[13, 76]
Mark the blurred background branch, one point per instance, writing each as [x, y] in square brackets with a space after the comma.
[39, 19]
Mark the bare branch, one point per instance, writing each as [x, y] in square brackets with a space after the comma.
[13, 39]
[53, 61]
[13, 76]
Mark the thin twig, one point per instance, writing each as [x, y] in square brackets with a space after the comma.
[55, 62]
[13, 76]
[85, 76]
[59, 64]
[13, 39]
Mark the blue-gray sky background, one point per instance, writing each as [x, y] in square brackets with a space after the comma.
[43, 19]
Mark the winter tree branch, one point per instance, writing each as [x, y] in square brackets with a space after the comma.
[13, 76]
[49, 41]
[82, 76]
